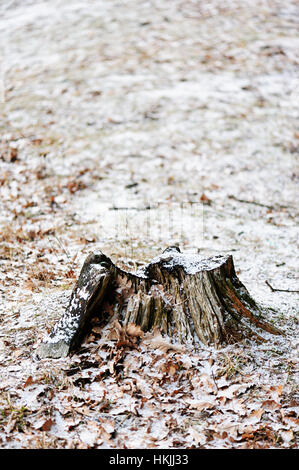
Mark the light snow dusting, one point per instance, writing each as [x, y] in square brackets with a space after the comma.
[128, 127]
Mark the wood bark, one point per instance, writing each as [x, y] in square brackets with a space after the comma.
[193, 300]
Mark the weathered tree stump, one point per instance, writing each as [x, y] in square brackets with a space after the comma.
[190, 299]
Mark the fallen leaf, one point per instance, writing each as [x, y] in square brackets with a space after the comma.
[10, 425]
[108, 426]
[234, 390]
[29, 381]
[289, 420]
[223, 382]
[275, 393]
[47, 425]
[201, 405]
[255, 416]
[198, 437]
[36, 141]
[98, 330]
[205, 200]
[270, 405]
[134, 330]
[106, 429]
[12, 155]
[208, 382]
[287, 436]
[44, 425]
[85, 410]
[157, 341]
[90, 435]
[70, 273]
[124, 343]
[228, 426]
[75, 185]
[247, 435]
[17, 353]
[169, 367]
[237, 406]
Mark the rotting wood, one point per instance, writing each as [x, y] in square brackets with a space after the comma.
[186, 297]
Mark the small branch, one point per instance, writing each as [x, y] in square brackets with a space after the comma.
[146, 208]
[280, 290]
[211, 361]
[255, 203]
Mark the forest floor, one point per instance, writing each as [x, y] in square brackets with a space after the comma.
[109, 108]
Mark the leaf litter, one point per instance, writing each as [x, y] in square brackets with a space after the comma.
[198, 104]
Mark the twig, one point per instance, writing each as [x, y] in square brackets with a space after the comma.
[255, 203]
[212, 373]
[71, 260]
[146, 208]
[63, 247]
[231, 196]
[214, 380]
[280, 290]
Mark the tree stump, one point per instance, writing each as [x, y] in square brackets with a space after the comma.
[193, 300]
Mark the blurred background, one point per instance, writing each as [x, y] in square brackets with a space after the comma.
[132, 125]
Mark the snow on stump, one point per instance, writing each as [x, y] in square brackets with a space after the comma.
[190, 299]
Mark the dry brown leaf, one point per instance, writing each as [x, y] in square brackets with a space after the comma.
[237, 406]
[47, 425]
[275, 393]
[169, 367]
[126, 335]
[223, 382]
[125, 343]
[85, 410]
[44, 425]
[270, 405]
[97, 330]
[155, 340]
[172, 370]
[106, 429]
[289, 420]
[17, 353]
[10, 155]
[134, 330]
[29, 381]
[204, 404]
[115, 331]
[201, 405]
[198, 437]
[10, 425]
[124, 288]
[205, 199]
[255, 416]
[208, 382]
[287, 436]
[234, 390]
[108, 425]
[229, 426]
[248, 434]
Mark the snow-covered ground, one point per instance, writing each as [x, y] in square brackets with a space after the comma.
[128, 127]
